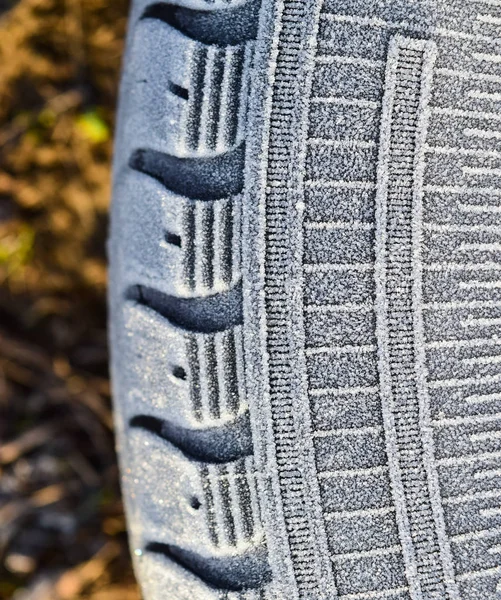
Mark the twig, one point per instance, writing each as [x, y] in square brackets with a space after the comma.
[26, 442]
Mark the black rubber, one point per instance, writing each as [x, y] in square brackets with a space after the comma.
[305, 298]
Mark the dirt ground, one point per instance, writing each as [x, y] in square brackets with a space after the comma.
[62, 530]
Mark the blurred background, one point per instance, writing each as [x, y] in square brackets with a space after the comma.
[62, 529]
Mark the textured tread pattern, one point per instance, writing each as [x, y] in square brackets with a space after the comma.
[230, 491]
[208, 537]
[449, 433]
[206, 417]
[210, 436]
[382, 356]
[216, 107]
[213, 363]
[457, 34]
[212, 264]
[189, 475]
[196, 106]
[282, 136]
[166, 253]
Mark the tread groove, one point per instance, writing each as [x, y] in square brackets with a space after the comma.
[227, 442]
[206, 245]
[178, 90]
[212, 378]
[209, 314]
[214, 100]
[226, 244]
[234, 93]
[226, 27]
[229, 358]
[235, 573]
[245, 501]
[207, 178]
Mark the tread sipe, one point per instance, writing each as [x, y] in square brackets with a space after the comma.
[305, 299]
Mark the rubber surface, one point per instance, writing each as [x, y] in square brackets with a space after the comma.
[305, 298]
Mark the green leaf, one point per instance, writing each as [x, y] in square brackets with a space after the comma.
[91, 126]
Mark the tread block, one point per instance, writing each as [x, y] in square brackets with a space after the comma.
[360, 573]
[181, 247]
[473, 514]
[484, 584]
[194, 104]
[207, 510]
[477, 550]
[193, 379]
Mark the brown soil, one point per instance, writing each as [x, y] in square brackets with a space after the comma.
[62, 529]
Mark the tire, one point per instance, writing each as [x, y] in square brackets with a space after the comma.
[305, 298]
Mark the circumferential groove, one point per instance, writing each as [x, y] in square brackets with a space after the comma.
[226, 27]
[233, 573]
[207, 178]
[208, 314]
[219, 444]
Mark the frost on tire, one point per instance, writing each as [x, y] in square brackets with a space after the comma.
[186, 435]
[305, 298]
